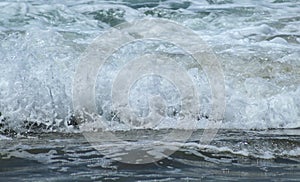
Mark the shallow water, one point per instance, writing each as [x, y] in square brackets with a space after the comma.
[257, 44]
[234, 155]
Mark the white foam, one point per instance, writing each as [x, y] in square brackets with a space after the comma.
[2, 137]
[257, 43]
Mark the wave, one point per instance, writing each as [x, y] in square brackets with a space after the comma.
[257, 45]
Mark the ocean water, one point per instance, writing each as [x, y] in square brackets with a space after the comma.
[257, 44]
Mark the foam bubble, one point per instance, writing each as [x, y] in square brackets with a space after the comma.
[257, 45]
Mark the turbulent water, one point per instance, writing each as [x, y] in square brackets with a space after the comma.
[257, 44]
